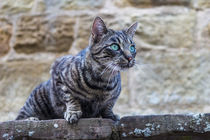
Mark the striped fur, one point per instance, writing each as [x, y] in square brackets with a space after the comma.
[85, 85]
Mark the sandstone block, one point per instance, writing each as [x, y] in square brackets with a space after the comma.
[171, 2]
[5, 35]
[139, 3]
[165, 27]
[203, 29]
[150, 3]
[82, 4]
[40, 6]
[200, 4]
[36, 33]
[83, 28]
[9, 7]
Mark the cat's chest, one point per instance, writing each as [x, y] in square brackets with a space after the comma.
[100, 98]
[93, 107]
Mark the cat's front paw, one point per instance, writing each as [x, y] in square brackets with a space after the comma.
[72, 116]
[32, 119]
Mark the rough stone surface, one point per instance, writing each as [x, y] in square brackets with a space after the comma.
[39, 7]
[156, 127]
[84, 129]
[15, 7]
[82, 35]
[165, 27]
[139, 3]
[82, 4]
[171, 2]
[200, 4]
[5, 35]
[38, 33]
[159, 127]
[150, 3]
[203, 29]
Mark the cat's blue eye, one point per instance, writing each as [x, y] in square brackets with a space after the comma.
[132, 48]
[115, 47]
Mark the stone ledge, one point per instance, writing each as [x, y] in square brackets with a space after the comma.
[153, 127]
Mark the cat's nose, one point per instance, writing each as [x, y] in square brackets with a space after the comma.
[127, 55]
[130, 58]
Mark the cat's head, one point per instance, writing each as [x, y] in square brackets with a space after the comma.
[113, 49]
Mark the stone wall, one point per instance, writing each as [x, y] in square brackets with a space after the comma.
[173, 44]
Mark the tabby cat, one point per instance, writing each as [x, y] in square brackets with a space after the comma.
[88, 84]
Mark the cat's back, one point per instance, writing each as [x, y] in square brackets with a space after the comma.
[61, 62]
[68, 60]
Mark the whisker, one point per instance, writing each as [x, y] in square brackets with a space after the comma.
[110, 76]
[106, 69]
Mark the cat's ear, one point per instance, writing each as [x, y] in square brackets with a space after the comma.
[132, 29]
[98, 29]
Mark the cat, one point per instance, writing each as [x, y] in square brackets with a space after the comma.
[88, 84]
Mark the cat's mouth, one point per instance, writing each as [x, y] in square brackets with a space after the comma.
[126, 65]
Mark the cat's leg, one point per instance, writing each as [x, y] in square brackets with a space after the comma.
[23, 116]
[73, 110]
[32, 119]
[108, 113]
[37, 106]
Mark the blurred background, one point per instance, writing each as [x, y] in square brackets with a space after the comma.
[173, 45]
